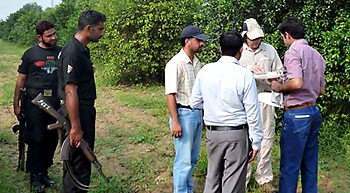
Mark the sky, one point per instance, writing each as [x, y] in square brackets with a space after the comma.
[10, 6]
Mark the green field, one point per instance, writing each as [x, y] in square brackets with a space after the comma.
[133, 142]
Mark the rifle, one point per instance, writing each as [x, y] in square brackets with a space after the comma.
[20, 127]
[63, 123]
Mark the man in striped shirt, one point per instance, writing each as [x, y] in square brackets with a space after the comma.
[185, 122]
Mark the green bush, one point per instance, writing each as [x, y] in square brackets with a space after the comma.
[336, 50]
[141, 36]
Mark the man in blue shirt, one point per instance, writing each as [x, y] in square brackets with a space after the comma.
[227, 92]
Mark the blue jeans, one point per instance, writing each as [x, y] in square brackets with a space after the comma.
[299, 149]
[187, 149]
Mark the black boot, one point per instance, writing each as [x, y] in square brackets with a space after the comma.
[35, 183]
[46, 180]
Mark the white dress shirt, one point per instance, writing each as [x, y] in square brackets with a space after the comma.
[227, 92]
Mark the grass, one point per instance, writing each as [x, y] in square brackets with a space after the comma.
[10, 57]
[136, 148]
[11, 49]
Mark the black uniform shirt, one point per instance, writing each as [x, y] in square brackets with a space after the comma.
[39, 65]
[75, 66]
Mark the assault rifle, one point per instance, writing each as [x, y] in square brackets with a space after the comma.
[63, 123]
[20, 129]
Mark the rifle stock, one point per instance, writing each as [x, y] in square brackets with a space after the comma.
[44, 105]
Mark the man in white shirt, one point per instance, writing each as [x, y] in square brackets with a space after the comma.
[260, 57]
[227, 93]
[185, 123]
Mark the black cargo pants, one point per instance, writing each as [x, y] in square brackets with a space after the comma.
[80, 165]
[41, 142]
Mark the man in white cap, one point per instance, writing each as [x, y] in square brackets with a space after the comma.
[185, 122]
[260, 57]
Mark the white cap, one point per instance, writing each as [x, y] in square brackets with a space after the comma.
[252, 29]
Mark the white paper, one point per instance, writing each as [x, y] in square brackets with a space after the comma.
[271, 98]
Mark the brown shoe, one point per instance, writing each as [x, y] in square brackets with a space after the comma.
[268, 188]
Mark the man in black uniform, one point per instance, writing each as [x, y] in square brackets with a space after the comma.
[37, 72]
[77, 88]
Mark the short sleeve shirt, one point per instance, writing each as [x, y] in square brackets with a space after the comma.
[75, 67]
[265, 56]
[302, 61]
[180, 74]
[39, 65]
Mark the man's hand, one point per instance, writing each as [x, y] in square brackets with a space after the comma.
[17, 110]
[276, 86]
[204, 126]
[257, 69]
[176, 129]
[75, 136]
[252, 157]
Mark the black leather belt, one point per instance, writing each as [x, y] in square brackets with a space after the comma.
[178, 105]
[87, 102]
[44, 92]
[226, 128]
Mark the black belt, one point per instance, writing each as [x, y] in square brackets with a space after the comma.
[87, 102]
[43, 91]
[226, 128]
[178, 105]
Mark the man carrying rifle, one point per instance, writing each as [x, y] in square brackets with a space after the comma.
[77, 88]
[37, 73]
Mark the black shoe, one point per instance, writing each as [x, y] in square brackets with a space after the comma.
[46, 180]
[35, 183]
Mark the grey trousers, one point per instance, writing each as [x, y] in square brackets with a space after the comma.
[227, 161]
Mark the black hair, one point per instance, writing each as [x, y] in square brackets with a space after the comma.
[90, 17]
[183, 40]
[230, 43]
[294, 27]
[42, 26]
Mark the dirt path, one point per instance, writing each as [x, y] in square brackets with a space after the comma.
[112, 114]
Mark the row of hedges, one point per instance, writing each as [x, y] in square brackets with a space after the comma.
[142, 35]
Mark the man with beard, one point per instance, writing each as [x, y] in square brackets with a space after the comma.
[185, 122]
[260, 57]
[77, 88]
[37, 73]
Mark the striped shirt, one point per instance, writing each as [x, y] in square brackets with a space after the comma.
[180, 74]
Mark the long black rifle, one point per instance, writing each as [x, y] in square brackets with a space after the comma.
[63, 123]
[20, 129]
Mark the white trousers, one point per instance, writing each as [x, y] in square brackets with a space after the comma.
[263, 172]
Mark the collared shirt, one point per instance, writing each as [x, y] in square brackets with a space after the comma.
[265, 56]
[180, 74]
[302, 61]
[227, 93]
[75, 66]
